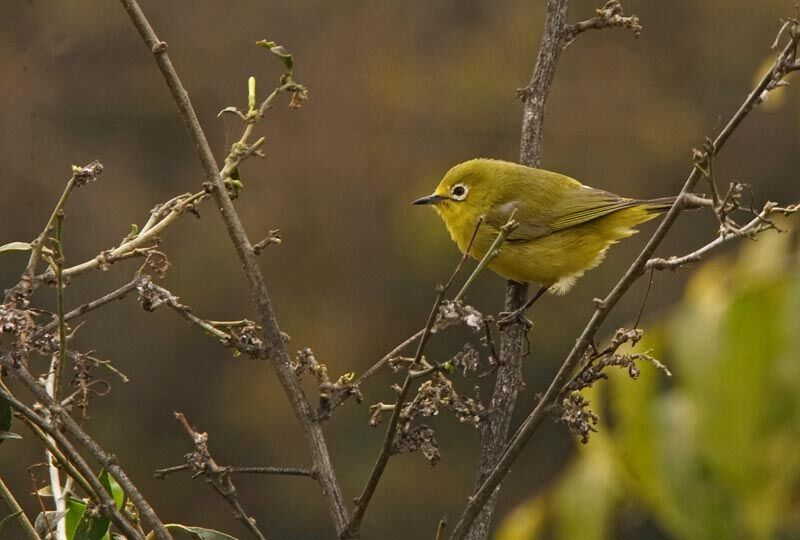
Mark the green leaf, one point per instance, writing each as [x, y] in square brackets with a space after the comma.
[113, 488]
[81, 525]
[15, 246]
[75, 510]
[279, 51]
[91, 527]
[199, 533]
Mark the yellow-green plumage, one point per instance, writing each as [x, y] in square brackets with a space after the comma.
[564, 227]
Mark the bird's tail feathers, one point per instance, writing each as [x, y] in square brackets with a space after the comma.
[690, 202]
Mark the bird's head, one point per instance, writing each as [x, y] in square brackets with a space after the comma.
[464, 192]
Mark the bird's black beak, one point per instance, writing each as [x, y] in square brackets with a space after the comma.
[430, 199]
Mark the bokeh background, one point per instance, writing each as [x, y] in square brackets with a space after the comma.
[399, 92]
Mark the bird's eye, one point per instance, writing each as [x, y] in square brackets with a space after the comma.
[459, 192]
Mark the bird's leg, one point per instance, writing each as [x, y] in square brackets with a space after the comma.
[519, 314]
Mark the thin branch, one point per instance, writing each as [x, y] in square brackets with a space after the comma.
[478, 500]
[272, 335]
[80, 176]
[277, 471]
[440, 529]
[491, 253]
[218, 477]
[241, 335]
[362, 502]
[57, 264]
[398, 349]
[59, 456]
[83, 309]
[16, 512]
[610, 15]
[758, 224]
[391, 354]
[133, 245]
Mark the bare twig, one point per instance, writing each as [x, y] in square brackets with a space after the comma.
[750, 229]
[277, 471]
[241, 336]
[491, 253]
[80, 176]
[440, 529]
[273, 237]
[83, 309]
[271, 332]
[478, 500]
[135, 245]
[610, 15]
[218, 477]
[362, 502]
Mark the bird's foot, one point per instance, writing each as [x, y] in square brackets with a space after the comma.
[508, 318]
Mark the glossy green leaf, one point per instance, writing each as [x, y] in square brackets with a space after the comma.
[91, 527]
[75, 510]
[113, 488]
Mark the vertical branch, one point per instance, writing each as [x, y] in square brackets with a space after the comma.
[509, 376]
[58, 363]
[272, 336]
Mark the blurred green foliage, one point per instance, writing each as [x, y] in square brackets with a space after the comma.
[712, 453]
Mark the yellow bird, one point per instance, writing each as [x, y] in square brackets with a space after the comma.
[565, 227]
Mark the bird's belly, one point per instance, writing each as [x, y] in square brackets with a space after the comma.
[560, 257]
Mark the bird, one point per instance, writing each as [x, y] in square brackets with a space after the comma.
[564, 227]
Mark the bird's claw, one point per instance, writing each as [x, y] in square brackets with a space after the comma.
[508, 318]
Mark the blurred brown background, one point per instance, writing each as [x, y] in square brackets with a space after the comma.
[399, 92]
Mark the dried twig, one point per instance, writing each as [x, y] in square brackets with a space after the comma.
[362, 502]
[758, 224]
[610, 15]
[201, 463]
[271, 332]
[134, 245]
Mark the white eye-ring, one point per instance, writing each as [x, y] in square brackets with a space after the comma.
[459, 192]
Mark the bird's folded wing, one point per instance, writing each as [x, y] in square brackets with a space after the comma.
[576, 207]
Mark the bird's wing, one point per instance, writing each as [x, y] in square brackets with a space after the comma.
[574, 207]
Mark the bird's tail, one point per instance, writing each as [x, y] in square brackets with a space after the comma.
[690, 202]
